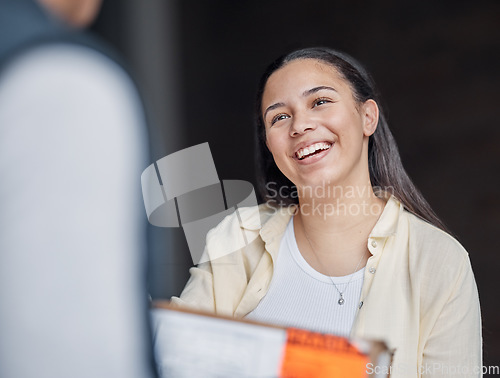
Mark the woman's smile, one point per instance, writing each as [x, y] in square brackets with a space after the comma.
[313, 153]
[304, 153]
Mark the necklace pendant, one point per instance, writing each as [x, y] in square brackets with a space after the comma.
[341, 301]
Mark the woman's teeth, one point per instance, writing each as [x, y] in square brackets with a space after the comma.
[310, 150]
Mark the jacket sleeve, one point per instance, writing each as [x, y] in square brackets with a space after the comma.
[233, 251]
[454, 346]
[198, 294]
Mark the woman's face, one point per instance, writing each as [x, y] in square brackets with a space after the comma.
[315, 130]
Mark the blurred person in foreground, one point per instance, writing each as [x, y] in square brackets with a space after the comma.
[73, 142]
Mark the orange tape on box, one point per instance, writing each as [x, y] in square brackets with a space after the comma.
[314, 355]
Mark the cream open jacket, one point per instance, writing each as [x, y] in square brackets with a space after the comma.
[420, 297]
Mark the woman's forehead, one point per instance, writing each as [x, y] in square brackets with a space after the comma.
[304, 66]
[300, 75]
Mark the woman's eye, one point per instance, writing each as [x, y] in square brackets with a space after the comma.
[279, 117]
[320, 101]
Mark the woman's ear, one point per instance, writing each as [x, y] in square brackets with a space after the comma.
[369, 111]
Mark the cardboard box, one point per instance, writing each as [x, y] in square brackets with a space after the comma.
[193, 344]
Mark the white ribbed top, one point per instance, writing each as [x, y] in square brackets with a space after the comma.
[299, 296]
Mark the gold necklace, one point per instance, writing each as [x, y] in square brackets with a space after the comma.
[341, 300]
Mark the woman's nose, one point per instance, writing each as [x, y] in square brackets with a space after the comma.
[301, 124]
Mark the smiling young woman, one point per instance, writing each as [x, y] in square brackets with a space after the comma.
[346, 243]
[318, 136]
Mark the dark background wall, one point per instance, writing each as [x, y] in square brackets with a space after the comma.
[436, 64]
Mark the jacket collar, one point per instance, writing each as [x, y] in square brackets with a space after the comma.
[275, 219]
[387, 224]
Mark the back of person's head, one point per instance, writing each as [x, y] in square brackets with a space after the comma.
[78, 13]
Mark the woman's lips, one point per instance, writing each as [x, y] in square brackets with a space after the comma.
[312, 149]
[315, 156]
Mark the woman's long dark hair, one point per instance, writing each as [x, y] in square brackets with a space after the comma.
[385, 166]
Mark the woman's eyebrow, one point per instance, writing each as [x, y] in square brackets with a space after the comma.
[317, 89]
[305, 94]
[272, 107]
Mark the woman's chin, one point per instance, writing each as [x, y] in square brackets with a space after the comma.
[316, 185]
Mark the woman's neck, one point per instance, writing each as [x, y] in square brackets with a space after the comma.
[338, 208]
[332, 227]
